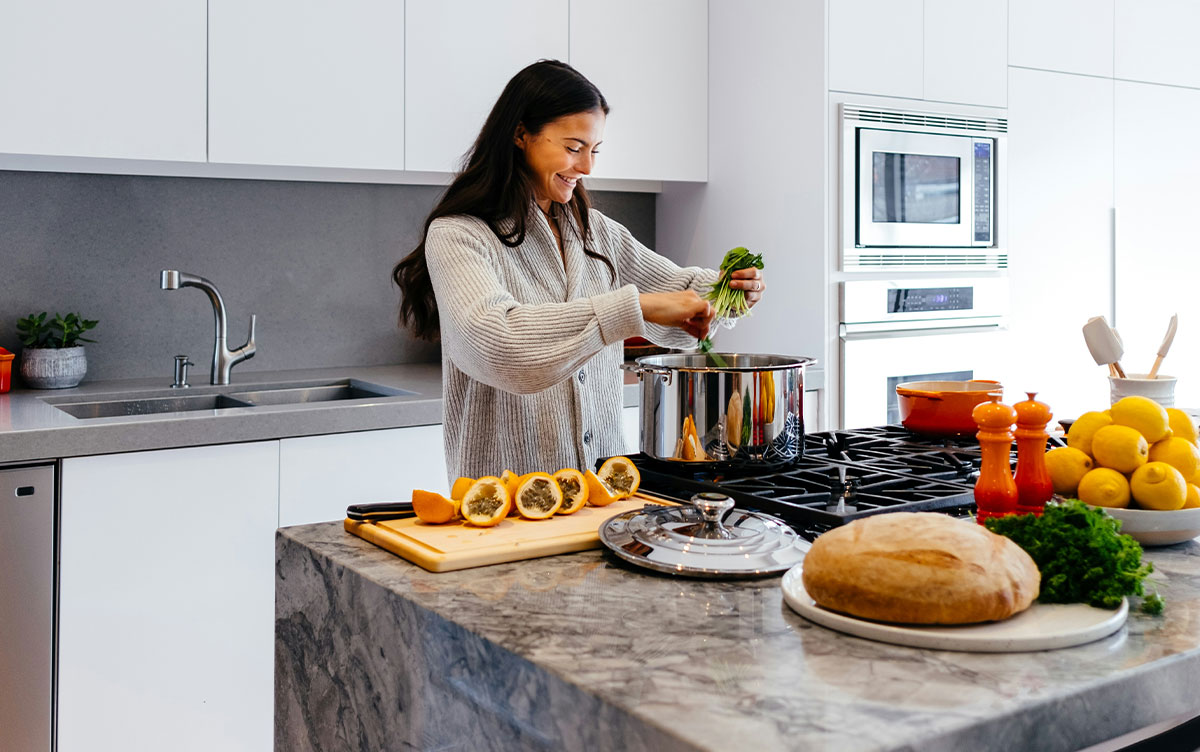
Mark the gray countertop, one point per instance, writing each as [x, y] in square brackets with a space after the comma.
[32, 428]
[580, 652]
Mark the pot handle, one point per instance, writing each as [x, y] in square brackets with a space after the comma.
[641, 369]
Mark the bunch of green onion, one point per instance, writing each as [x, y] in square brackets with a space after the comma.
[728, 303]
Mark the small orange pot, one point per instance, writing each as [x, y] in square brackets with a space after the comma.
[943, 408]
[6, 359]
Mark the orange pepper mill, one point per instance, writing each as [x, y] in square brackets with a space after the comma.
[1034, 488]
[995, 491]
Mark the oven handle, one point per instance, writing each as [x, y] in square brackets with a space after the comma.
[852, 335]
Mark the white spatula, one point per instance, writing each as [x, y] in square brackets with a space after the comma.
[1104, 344]
[1166, 345]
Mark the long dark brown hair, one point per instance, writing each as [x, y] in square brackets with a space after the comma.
[495, 185]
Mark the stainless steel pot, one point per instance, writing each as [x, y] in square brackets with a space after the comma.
[722, 408]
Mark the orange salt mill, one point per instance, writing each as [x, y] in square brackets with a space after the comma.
[1034, 488]
[995, 491]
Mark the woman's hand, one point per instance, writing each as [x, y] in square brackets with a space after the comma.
[750, 282]
[684, 309]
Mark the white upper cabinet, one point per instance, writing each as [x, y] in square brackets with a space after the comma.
[1072, 36]
[455, 68]
[650, 60]
[307, 82]
[1156, 195]
[119, 79]
[966, 52]
[1156, 41]
[877, 47]
[937, 50]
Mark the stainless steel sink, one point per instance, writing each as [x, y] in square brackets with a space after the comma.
[151, 406]
[160, 401]
[348, 389]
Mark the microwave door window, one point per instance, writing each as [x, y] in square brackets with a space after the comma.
[915, 189]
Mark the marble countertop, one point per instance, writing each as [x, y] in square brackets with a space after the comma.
[710, 665]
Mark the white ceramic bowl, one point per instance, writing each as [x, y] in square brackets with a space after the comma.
[1154, 528]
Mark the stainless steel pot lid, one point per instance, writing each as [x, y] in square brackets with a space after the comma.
[707, 539]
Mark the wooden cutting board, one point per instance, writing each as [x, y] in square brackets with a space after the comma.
[451, 546]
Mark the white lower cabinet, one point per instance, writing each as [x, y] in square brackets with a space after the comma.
[319, 476]
[631, 429]
[166, 602]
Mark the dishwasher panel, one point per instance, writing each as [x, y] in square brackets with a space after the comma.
[26, 606]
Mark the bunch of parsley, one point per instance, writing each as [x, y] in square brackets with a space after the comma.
[1081, 553]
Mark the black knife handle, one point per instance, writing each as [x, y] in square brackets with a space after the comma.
[387, 510]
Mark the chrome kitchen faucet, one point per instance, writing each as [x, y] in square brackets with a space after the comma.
[223, 359]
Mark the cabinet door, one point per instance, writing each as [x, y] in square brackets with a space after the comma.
[1157, 195]
[651, 62]
[631, 429]
[319, 476]
[1060, 219]
[121, 79]
[166, 599]
[1073, 36]
[455, 70]
[877, 47]
[1155, 40]
[307, 83]
[966, 51]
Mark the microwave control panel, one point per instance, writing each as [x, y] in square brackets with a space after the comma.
[983, 191]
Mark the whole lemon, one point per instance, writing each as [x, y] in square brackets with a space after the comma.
[1182, 425]
[1193, 497]
[1157, 485]
[1178, 453]
[1120, 447]
[1084, 429]
[1104, 487]
[1144, 414]
[1067, 466]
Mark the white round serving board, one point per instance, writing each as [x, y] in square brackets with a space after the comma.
[1042, 626]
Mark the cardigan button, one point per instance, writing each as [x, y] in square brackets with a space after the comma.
[582, 377]
[587, 437]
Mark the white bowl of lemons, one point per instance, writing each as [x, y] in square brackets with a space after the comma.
[1138, 461]
[1153, 527]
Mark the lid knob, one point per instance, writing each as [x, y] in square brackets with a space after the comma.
[713, 507]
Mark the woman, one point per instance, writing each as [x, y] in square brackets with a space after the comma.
[533, 292]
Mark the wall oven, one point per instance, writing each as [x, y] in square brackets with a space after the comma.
[932, 329]
[920, 189]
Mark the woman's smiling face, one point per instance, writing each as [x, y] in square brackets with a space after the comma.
[560, 154]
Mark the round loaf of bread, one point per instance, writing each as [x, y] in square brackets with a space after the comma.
[920, 568]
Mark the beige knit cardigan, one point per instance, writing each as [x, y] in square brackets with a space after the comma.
[531, 351]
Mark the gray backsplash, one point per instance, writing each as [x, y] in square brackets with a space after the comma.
[313, 260]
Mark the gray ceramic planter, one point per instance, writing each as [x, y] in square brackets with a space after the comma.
[53, 367]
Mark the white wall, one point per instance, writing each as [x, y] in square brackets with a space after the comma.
[766, 174]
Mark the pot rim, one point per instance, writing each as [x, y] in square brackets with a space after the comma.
[647, 362]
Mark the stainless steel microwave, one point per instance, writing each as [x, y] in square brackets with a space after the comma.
[920, 180]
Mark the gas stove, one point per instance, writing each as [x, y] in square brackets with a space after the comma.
[842, 476]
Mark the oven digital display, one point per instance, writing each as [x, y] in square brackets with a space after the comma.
[921, 299]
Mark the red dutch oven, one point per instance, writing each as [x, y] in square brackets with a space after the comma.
[943, 408]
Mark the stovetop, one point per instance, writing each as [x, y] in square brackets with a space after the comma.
[843, 475]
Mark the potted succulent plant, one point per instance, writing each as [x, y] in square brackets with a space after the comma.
[53, 357]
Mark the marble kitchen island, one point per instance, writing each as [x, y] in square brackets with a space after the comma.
[580, 652]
